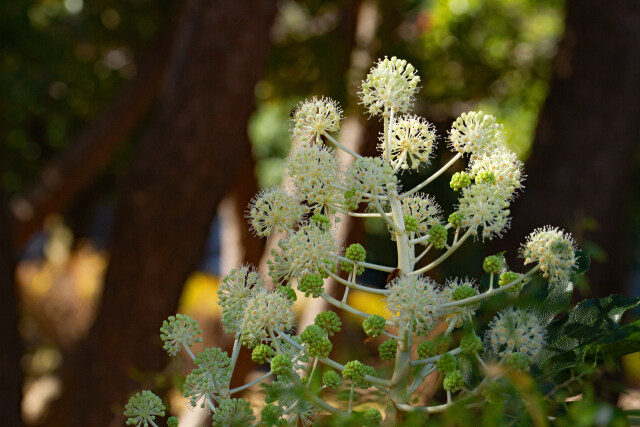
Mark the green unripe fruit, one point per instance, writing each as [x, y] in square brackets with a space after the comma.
[260, 354]
[492, 264]
[172, 422]
[372, 418]
[329, 321]
[442, 344]
[470, 344]
[427, 349]
[485, 177]
[354, 371]
[453, 381]
[464, 292]
[321, 221]
[311, 284]
[355, 253]
[331, 379]
[508, 277]
[410, 223]
[460, 180]
[518, 361]
[317, 343]
[281, 365]
[438, 236]
[287, 292]
[270, 415]
[446, 363]
[455, 219]
[388, 350]
[374, 325]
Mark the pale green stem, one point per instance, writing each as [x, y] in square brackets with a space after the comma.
[428, 409]
[424, 373]
[274, 340]
[351, 397]
[423, 253]
[491, 282]
[433, 359]
[313, 370]
[324, 405]
[452, 325]
[484, 365]
[444, 256]
[491, 292]
[344, 306]
[392, 222]
[358, 287]
[432, 177]
[340, 146]
[247, 385]
[378, 267]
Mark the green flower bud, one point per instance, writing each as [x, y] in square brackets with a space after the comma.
[442, 344]
[329, 321]
[143, 408]
[459, 180]
[311, 284]
[261, 353]
[463, 292]
[438, 236]
[287, 292]
[446, 363]
[172, 422]
[372, 418]
[485, 177]
[455, 219]
[388, 349]
[281, 365]
[179, 330]
[317, 343]
[410, 223]
[470, 344]
[355, 371]
[233, 412]
[492, 264]
[331, 379]
[374, 325]
[427, 349]
[508, 277]
[355, 253]
[321, 221]
[270, 415]
[453, 381]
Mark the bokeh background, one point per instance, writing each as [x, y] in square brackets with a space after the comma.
[135, 132]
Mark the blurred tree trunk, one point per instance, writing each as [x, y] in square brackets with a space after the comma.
[10, 371]
[184, 166]
[581, 164]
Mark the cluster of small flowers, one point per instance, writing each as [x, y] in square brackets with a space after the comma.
[368, 178]
[455, 290]
[411, 144]
[315, 172]
[389, 86]
[274, 210]
[209, 380]
[414, 302]
[234, 292]
[424, 210]
[475, 133]
[515, 331]
[553, 250]
[265, 310]
[315, 117]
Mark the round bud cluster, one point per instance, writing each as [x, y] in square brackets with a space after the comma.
[281, 365]
[553, 250]
[438, 236]
[460, 180]
[329, 321]
[475, 133]
[179, 330]
[518, 361]
[470, 343]
[374, 325]
[143, 408]
[493, 264]
[287, 292]
[464, 292]
[318, 345]
[270, 415]
[485, 177]
[311, 284]
[389, 86]
[331, 379]
[446, 363]
[265, 310]
[427, 349]
[413, 301]
[274, 210]
[367, 179]
[453, 381]
[315, 173]
[458, 289]
[321, 221]
[410, 223]
[261, 353]
[424, 210]
[172, 422]
[505, 166]
[233, 412]
[483, 205]
[354, 253]
[210, 379]
[371, 418]
[411, 143]
[234, 292]
[455, 219]
[508, 277]
[515, 330]
[309, 250]
[356, 371]
[388, 350]
[443, 343]
[314, 117]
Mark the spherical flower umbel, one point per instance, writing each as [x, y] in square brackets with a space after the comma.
[143, 408]
[455, 290]
[233, 293]
[233, 412]
[389, 86]
[367, 179]
[210, 379]
[424, 209]
[484, 205]
[475, 133]
[265, 310]
[553, 250]
[506, 168]
[515, 330]
[413, 302]
[316, 174]
[411, 144]
[274, 210]
[179, 330]
[316, 116]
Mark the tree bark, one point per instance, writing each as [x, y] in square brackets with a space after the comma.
[581, 166]
[184, 166]
[10, 373]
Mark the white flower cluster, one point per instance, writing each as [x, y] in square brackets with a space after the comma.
[316, 174]
[475, 133]
[309, 250]
[368, 178]
[274, 210]
[553, 250]
[233, 293]
[484, 205]
[265, 309]
[515, 330]
[414, 303]
[390, 85]
[460, 313]
[424, 209]
[504, 165]
[411, 144]
[315, 117]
